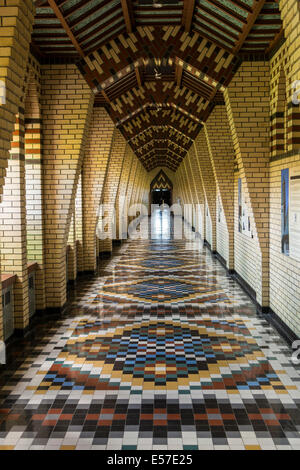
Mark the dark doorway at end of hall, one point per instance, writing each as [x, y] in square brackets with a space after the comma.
[161, 189]
[161, 196]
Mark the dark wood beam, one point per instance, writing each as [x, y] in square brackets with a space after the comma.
[40, 3]
[62, 3]
[201, 16]
[226, 9]
[54, 51]
[187, 16]
[35, 50]
[87, 14]
[45, 43]
[94, 44]
[100, 23]
[76, 7]
[220, 36]
[138, 76]
[275, 41]
[201, 29]
[45, 16]
[49, 35]
[128, 16]
[257, 6]
[196, 88]
[218, 17]
[178, 74]
[105, 97]
[242, 5]
[65, 25]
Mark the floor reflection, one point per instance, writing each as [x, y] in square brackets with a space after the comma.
[161, 350]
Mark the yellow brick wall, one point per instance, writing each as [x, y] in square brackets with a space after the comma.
[15, 208]
[67, 104]
[225, 243]
[247, 101]
[13, 225]
[210, 228]
[221, 152]
[71, 247]
[33, 177]
[79, 225]
[16, 20]
[279, 94]
[121, 205]
[130, 186]
[284, 271]
[208, 182]
[197, 179]
[247, 255]
[97, 152]
[111, 186]
[290, 15]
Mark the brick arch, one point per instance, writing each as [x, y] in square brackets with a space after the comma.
[33, 178]
[16, 40]
[14, 246]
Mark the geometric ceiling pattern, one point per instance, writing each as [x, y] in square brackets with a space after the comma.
[161, 181]
[159, 67]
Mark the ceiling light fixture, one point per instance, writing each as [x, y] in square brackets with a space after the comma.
[156, 4]
[157, 74]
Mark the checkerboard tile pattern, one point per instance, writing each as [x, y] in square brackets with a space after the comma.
[161, 350]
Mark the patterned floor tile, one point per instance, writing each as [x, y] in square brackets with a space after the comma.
[161, 350]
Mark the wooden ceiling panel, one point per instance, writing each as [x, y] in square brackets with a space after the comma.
[159, 67]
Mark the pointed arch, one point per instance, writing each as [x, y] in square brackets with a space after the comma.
[161, 181]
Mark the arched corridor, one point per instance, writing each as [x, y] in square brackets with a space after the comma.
[149, 225]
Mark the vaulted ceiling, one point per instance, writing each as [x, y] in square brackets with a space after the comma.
[158, 66]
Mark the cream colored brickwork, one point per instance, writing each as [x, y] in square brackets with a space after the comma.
[111, 185]
[71, 248]
[247, 256]
[16, 20]
[13, 225]
[284, 65]
[200, 198]
[208, 181]
[33, 178]
[79, 226]
[221, 153]
[131, 181]
[97, 152]
[284, 270]
[121, 205]
[290, 15]
[248, 108]
[67, 103]
[222, 233]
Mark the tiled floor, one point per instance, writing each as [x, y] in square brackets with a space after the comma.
[161, 351]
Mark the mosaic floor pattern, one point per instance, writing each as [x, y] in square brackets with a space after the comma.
[163, 350]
